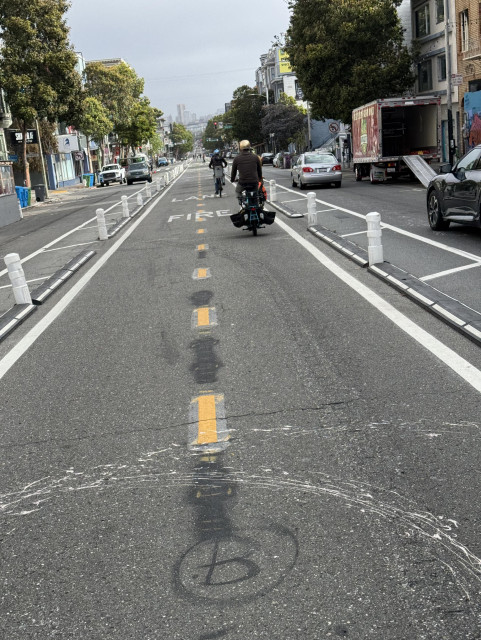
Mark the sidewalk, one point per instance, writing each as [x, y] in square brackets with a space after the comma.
[75, 191]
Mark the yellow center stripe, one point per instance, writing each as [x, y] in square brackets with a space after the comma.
[201, 247]
[200, 230]
[202, 273]
[207, 420]
[203, 317]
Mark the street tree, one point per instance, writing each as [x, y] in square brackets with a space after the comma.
[118, 88]
[283, 121]
[140, 125]
[245, 114]
[182, 139]
[347, 53]
[212, 137]
[37, 65]
[95, 123]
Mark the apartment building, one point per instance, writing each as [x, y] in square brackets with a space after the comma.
[468, 32]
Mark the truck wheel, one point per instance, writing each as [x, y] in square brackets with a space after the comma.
[435, 217]
[358, 174]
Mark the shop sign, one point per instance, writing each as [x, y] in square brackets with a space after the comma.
[17, 137]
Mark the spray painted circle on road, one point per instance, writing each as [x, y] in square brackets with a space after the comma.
[237, 568]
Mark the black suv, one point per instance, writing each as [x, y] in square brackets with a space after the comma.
[267, 158]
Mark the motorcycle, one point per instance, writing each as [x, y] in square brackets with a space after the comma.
[252, 214]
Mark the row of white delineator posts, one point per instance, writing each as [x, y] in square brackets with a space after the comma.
[16, 273]
[373, 220]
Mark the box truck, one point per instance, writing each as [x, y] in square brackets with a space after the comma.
[396, 136]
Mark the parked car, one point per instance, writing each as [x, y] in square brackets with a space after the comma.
[278, 160]
[111, 173]
[455, 194]
[267, 158]
[162, 162]
[138, 171]
[316, 168]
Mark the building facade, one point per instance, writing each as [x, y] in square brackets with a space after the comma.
[468, 32]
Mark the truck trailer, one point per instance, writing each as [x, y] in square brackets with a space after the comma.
[396, 136]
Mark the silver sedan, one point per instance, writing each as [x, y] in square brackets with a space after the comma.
[316, 168]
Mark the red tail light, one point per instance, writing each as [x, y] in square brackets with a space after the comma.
[336, 167]
[307, 169]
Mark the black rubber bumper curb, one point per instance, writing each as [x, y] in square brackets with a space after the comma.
[14, 317]
[59, 277]
[455, 313]
[346, 247]
[287, 211]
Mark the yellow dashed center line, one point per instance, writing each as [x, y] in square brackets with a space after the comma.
[203, 317]
[200, 230]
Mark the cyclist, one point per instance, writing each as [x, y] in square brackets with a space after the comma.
[217, 161]
[249, 167]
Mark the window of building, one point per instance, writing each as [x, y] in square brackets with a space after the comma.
[464, 25]
[423, 27]
[439, 11]
[441, 68]
[425, 75]
[7, 183]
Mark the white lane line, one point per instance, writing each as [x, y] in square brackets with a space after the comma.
[26, 342]
[450, 271]
[296, 200]
[9, 286]
[358, 233]
[455, 362]
[433, 243]
[71, 246]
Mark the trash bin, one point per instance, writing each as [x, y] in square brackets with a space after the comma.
[40, 192]
[23, 196]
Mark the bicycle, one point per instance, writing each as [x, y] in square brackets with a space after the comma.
[219, 179]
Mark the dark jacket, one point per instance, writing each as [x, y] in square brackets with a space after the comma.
[217, 161]
[249, 166]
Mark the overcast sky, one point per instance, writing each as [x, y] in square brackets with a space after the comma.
[192, 52]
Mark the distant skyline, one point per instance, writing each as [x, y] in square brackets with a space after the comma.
[188, 52]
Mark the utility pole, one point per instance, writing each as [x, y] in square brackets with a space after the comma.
[42, 159]
[449, 100]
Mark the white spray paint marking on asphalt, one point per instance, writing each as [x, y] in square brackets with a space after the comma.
[455, 362]
[30, 338]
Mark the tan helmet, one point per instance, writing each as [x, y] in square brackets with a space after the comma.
[244, 144]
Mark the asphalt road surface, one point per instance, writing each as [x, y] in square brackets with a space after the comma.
[212, 435]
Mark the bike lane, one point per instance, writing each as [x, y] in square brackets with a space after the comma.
[219, 439]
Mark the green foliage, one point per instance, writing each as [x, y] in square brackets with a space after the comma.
[37, 63]
[246, 113]
[182, 139]
[118, 88]
[285, 120]
[95, 122]
[140, 125]
[211, 132]
[347, 53]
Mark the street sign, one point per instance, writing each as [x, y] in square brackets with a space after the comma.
[13, 157]
[456, 79]
[33, 155]
[333, 127]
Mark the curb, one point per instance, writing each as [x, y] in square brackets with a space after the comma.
[342, 245]
[287, 211]
[458, 315]
[14, 317]
[59, 277]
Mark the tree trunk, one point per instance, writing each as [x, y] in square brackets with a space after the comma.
[88, 154]
[24, 154]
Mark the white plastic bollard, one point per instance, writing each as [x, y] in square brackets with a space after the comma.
[157, 185]
[374, 234]
[166, 179]
[17, 278]
[103, 235]
[148, 191]
[311, 209]
[140, 202]
[125, 207]
[272, 191]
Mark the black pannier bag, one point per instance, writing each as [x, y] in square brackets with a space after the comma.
[238, 218]
[269, 216]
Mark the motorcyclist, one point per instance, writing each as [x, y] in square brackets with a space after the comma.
[249, 167]
[217, 161]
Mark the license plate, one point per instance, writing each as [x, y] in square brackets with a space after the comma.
[321, 170]
[391, 170]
